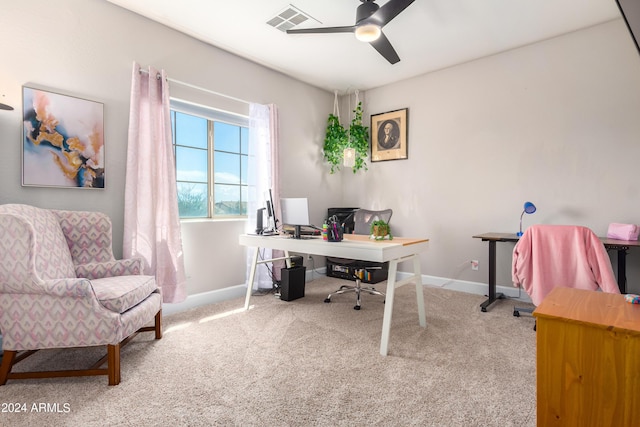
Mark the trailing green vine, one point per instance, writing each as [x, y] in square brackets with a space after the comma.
[337, 138]
[359, 139]
[334, 142]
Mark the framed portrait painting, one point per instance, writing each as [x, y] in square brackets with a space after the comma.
[389, 135]
[62, 140]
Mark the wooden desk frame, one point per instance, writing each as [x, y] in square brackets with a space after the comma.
[622, 246]
[353, 247]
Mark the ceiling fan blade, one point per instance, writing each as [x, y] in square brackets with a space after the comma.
[349, 29]
[383, 46]
[388, 11]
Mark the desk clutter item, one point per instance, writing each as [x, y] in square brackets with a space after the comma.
[345, 217]
[332, 230]
[632, 298]
[623, 231]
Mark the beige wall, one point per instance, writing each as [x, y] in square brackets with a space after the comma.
[86, 48]
[555, 123]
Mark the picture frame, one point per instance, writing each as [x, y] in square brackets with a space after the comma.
[62, 140]
[389, 138]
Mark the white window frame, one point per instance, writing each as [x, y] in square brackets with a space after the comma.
[211, 115]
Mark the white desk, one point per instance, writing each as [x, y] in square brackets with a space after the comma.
[353, 247]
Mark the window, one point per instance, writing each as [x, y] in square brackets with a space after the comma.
[211, 154]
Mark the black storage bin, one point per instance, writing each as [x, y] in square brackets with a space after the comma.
[292, 283]
[346, 269]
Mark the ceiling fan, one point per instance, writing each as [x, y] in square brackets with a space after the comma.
[370, 18]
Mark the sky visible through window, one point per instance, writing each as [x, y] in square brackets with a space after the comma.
[193, 158]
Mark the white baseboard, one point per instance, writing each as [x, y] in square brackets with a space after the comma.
[237, 291]
[471, 287]
[205, 298]
[219, 295]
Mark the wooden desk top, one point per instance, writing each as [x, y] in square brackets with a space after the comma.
[404, 241]
[614, 243]
[353, 246]
[513, 237]
[599, 309]
[498, 237]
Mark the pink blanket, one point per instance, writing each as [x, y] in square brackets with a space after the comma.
[548, 256]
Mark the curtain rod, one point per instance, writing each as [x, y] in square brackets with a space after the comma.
[199, 88]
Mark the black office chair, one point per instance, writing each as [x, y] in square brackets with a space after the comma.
[362, 270]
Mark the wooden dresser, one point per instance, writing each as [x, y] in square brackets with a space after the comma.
[588, 359]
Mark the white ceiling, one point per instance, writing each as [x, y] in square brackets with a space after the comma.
[429, 34]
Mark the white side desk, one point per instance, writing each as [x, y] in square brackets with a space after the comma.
[353, 247]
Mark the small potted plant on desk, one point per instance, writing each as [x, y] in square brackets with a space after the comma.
[380, 230]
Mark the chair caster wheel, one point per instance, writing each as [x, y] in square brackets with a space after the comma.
[516, 313]
[357, 307]
[327, 300]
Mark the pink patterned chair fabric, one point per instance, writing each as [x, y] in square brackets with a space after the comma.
[60, 287]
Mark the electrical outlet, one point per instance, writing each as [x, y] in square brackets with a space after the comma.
[475, 264]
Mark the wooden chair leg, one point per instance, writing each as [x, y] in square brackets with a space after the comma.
[112, 359]
[7, 362]
[158, 325]
[113, 363]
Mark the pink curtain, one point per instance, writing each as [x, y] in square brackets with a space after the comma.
[263, 175]
[274, 135]
[151, 219]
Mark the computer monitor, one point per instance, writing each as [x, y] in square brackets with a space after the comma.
[272, 221]
[295, 212]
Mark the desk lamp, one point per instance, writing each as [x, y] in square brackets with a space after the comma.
[529, 208]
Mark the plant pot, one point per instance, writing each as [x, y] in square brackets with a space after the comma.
[380, 230]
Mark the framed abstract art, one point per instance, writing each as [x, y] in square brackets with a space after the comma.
[62, 140]
[389, 135]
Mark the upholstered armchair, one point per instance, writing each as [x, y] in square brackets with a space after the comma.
[61, 287]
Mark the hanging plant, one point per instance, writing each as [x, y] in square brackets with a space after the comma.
[337, 139]
[334, 142]
[359, 139]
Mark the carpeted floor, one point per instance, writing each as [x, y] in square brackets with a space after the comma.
[303, 363]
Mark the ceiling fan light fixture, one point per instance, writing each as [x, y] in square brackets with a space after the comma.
[368, 32]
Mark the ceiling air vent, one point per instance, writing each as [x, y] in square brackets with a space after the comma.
[289, 18]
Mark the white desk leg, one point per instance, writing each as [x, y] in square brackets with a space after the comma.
[422, 317]
[388, 306]
[252, 275]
